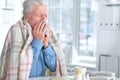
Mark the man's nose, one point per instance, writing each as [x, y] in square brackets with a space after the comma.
[44, 16]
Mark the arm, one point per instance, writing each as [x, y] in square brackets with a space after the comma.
[36, 46]
[50, 58]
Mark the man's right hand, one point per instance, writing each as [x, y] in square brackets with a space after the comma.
[39, 31]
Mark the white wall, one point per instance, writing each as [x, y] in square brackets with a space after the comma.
[108, 29]
[108, 34]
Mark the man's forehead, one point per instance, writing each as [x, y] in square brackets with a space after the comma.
[40, 8]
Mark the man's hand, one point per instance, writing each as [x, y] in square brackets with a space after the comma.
[47, 36]
[39, 31]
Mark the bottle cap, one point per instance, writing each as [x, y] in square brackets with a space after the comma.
[78, 71]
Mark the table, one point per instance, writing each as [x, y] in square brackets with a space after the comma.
[117, 78]
[57, 78]
[54, 78]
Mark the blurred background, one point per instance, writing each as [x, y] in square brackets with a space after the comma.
[82, 29]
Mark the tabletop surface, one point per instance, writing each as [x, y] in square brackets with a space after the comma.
[57, 78]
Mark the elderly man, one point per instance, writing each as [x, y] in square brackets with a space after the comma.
[28, 51]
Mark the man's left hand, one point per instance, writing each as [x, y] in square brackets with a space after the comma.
[47, 37]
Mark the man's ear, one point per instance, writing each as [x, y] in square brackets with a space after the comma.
[26, 17]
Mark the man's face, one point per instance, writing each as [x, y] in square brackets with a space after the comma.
[37, 14]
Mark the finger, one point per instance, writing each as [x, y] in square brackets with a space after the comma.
[43, 27]
[46, 30]
[40, 25]
[35, 29]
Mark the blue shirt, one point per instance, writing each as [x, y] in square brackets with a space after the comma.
[42, 58]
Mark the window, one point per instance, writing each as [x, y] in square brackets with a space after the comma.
[74, 23]
[7, 14]
[61, 20]
[87, 28]
[10, 13]
[87, 32]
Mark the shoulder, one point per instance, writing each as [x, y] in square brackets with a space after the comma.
[15, 27]
[15, 32]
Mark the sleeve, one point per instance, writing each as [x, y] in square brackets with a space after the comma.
[50, 58]
[36, 46]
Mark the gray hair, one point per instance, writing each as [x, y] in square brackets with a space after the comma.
[28, 5]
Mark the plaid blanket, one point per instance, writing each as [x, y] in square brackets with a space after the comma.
[17, 54]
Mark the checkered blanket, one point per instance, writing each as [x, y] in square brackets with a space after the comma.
[17, 54]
